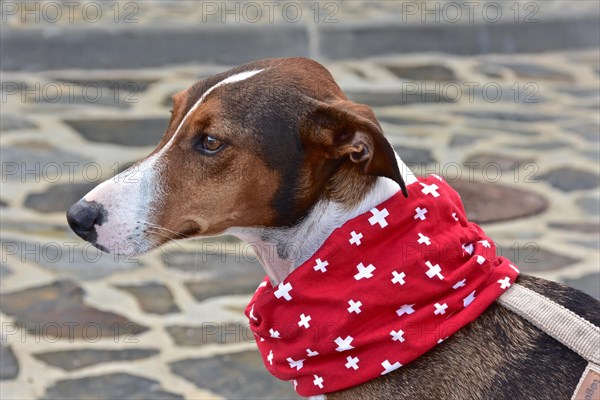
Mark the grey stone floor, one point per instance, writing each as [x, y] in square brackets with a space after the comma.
[517, 135]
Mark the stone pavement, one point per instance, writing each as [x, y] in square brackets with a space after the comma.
[517, 135]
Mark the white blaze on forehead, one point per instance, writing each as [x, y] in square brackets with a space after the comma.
[232, 79]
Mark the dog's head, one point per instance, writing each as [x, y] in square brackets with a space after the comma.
[255, 146]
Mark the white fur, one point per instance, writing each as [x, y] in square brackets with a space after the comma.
[129, 197]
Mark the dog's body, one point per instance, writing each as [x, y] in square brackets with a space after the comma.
[273, 152]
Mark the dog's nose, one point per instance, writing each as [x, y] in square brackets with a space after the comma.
[82, 216]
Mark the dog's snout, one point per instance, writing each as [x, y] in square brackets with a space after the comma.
[83, 216]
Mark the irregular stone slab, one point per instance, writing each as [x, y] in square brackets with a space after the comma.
[461, 140]
[71, 360]
[535, 71]
[58, 311]
[4, 271]
[9, 366]
[579, 91]
[512, 116]
[69, 257]
[414, 156]
[545, 145]
[109, 387]
[569, 179]
[36, 161]
[381, 98]
[58, 197]
[152, 297]
[37, 228]
[481, 161]
[424, 72]
[493, 202]
[234, 376]
[211, 333]
[588, 131]
[130, 85]
[3, 204]
[530, 257]
[582, 227]
[592, 244]
[213, 287]
[10, 122]
[490, 70]
[589, 284]
[126, 132]
[589, 205]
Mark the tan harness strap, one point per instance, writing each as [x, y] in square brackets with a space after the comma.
[562, 324]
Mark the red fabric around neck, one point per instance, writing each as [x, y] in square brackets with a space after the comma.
[384, 288]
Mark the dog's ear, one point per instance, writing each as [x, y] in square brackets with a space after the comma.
[346, 129]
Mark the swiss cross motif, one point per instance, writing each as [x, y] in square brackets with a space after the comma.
[304, 321]
[295, 364]
[320, 265]
[430, 189]
[398, 277]
[397, 335]
[379, 217]
[355, 238]
[440, 308]
[344, 344]
[364, 272]
[318, 381]
[504, 283]
[283, 290]
[423, 239]
[405, 309]
[420, 213]
[353, 306]
[352, 362]
[389, 367]
[434, 270]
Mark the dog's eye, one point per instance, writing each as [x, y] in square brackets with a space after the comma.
[209, 145]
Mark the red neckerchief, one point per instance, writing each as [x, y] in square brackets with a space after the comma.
[382, 290]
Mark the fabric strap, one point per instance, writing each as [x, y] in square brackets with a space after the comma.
[562, 324]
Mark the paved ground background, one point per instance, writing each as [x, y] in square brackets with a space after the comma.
[517, 134]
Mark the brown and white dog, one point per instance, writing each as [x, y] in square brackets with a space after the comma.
[273, 152]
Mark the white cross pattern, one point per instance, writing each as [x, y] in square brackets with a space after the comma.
[423, 239]
[480, 260]
[252, 313]
[379, 217]
[344, 344]
[469, 299]
[485, 243]
[354, 306]
[295, 364]
[364, 272]
[430, 189]
[434, 270]
[514, 268]
[436, 176]
[352, 362]
[459, 284]
[318, 381]
[440, 308]
[420, 213]
[295, 382]
[321, 265]
[454, 216]
[504, 283]
[388, 367]
[270, 357]
[468, 248]
[283, 290]
[441, 340]
[304, 321]
[397, 336]
[311, 353]
[355, 239]
[274, 334]
[398, 277]
[405, 309]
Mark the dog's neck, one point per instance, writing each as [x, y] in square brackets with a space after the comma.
[281, 250]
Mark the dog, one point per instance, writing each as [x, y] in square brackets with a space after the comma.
[273, 152]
